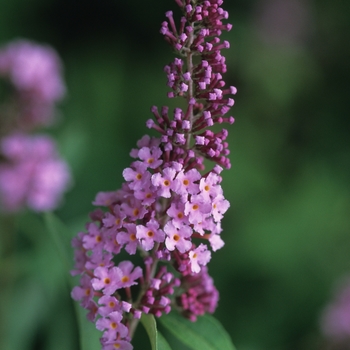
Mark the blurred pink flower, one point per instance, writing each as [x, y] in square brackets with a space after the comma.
[284, 22]
[35, 73]
[32, 174]
[335, 320]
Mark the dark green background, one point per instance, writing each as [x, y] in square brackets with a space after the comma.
[287, 230]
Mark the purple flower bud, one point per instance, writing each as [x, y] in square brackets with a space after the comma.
[188, 8]
[187, 76]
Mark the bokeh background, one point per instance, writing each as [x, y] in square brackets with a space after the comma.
[287, 231]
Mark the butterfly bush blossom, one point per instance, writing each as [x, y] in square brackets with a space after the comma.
[169, 208]
[32, 174]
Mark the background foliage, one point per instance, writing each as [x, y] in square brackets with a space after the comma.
[287, 232]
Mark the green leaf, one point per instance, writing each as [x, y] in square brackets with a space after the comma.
[205, 334]
[61, 236]
[158, 342]
[22, 313]
[162, 343]
[89, 335]
[150, 325]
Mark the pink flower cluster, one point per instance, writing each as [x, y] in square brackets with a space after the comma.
[33, 175]
[34, 73]
[169, 209]
[31, 172]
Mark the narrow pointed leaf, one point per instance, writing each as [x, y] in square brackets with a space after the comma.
[150, 325]
[162, 343]
[205, 334]
[158, 342]
[88, 334]
[61, 235]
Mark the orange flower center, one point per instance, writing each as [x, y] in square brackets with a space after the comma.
[125, 279]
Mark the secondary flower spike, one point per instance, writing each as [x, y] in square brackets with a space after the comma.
[32, 174]
[169, 208]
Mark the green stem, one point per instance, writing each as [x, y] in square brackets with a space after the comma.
[134, 322]
[190, 93]
[9, 266]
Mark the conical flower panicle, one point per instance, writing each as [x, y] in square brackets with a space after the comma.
[169, 208]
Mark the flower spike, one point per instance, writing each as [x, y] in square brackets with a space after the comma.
[169, 208]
